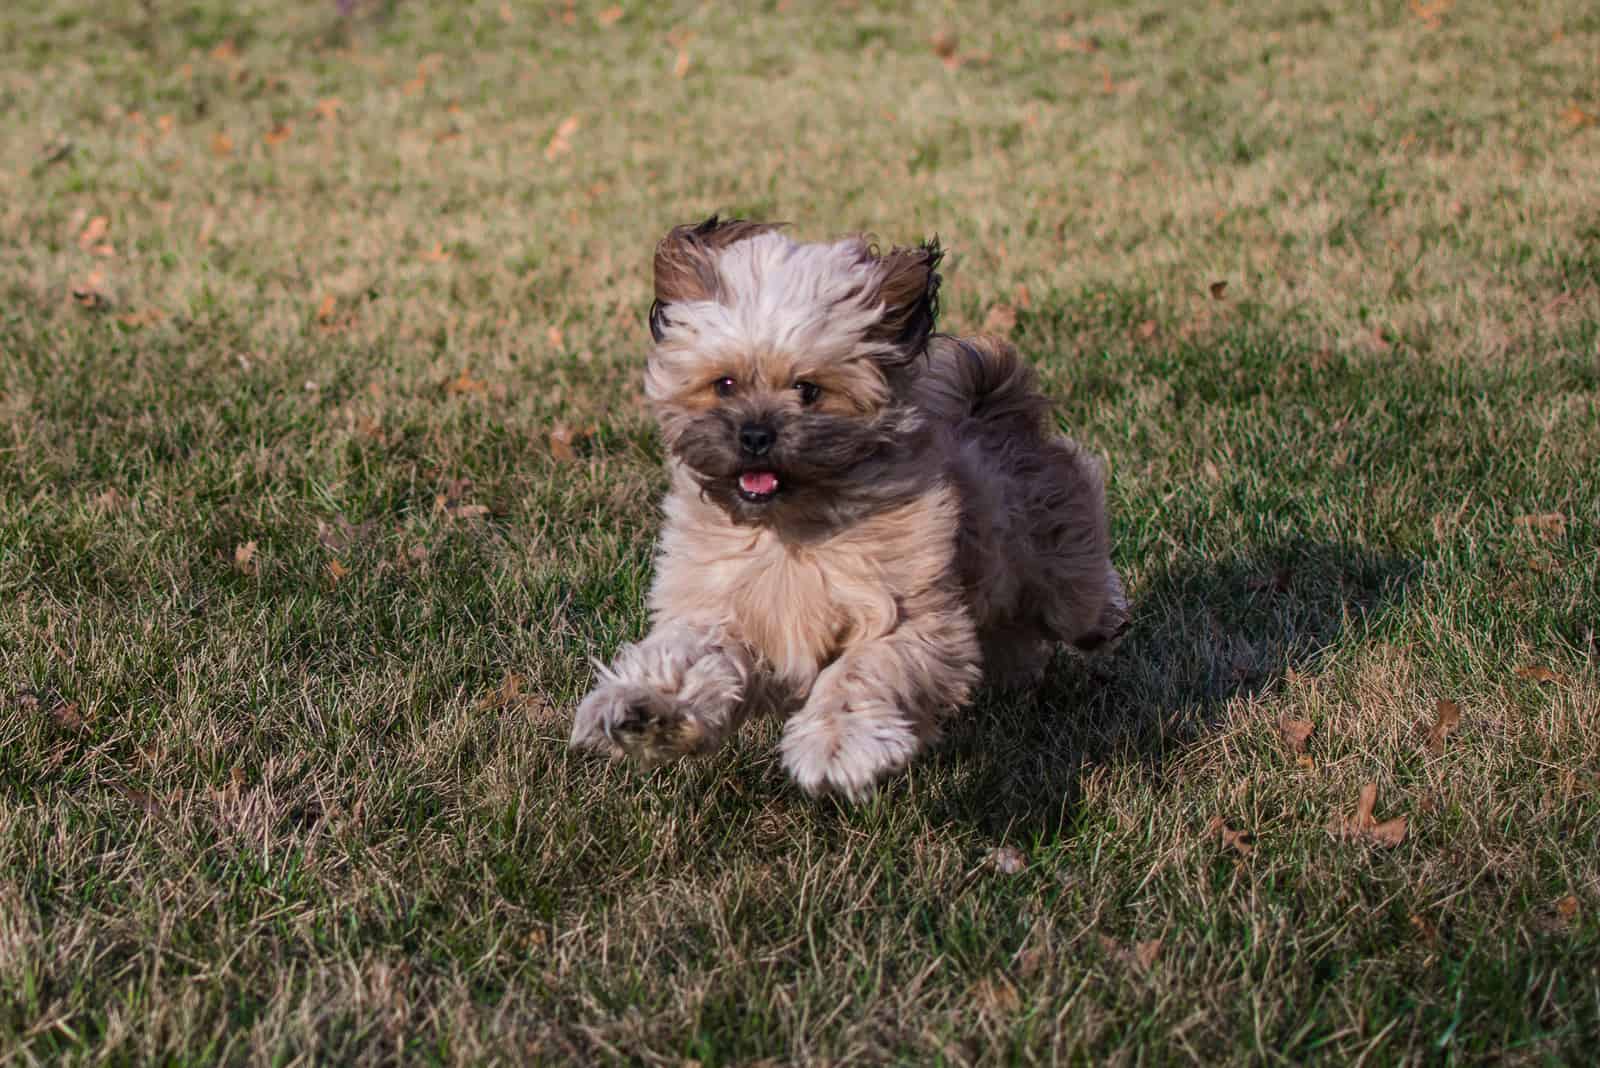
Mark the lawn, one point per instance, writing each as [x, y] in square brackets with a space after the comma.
[324, 473]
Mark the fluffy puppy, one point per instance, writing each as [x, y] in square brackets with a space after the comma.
[865, 517]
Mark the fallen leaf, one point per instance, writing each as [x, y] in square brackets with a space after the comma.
[94, 233]
[1388, 833]
[89, 292]
[1447, 715]
[1002, 318]
[1023, 298]
[221, 144]
[561, 444]
[610, 16]
[1537, 673]
[1065, 42]
[141, 798]
[336, 571]
[507, 693]
[166, 123]
[944, 43]
[327, 109]
[680, 66]
[1425, 928]
[1295, 733]
[1567, 908]
[996, 996]
[464, 383]
[65, 714]
[1007, 860]
[244, 558]
[1552, 523]
[436, 254]
[1219, 290]
[278, 134]
[226, 51]
[326, 307]
[1574, 117]
[561, 141]
[1238, 841]
[1145, 953]
[468, 511]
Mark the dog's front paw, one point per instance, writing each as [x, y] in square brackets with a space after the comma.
[625, 719]
[846, 749]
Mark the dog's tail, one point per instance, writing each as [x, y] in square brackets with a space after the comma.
[986, 379]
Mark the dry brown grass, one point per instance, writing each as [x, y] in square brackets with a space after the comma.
[273, 810]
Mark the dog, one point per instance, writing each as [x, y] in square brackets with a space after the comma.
[865, 518]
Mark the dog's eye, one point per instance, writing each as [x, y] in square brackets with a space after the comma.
[809, 392]
[724, 386]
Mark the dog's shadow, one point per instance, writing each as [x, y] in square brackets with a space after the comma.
[1202, 634]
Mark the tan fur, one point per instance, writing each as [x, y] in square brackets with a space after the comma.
[936, 525]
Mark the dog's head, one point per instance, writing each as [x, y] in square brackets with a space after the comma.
[777, 365]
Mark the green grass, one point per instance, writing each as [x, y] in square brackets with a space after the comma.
[271, 811]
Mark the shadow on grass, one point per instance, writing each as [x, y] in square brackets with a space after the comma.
[1204, 633]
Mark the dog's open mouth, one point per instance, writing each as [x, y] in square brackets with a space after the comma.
[758, 486]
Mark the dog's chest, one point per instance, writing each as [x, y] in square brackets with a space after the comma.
[798, 607]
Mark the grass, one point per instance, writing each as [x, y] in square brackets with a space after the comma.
[256, 807]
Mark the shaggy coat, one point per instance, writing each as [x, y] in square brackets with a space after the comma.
[865, 518]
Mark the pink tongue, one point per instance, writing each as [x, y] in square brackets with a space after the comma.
[759, 483]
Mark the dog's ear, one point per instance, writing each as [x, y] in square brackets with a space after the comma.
[685, 265]
[907, 284]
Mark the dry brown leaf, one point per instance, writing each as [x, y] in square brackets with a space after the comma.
[610, 16]
[221, 144]
[944, 43]
[562, 440]
[1219, 290]
[1552, 523]
[1065, 42]
[1007, 860]
[336, 571]
[1425, 928]
[561, 141]
[65, 716]
[90, 291]
[996, 996]
[436, 254]
[141, 798]
[244, 558]
[1567, 908]
[1295, 733]
[1447, 715]
[326, 308]
[279, 133]
[465, 383]
[680, 66]
[1388, 833]
[1145, 953]
[1240, 842]
[507, 693]
[1574, 117]
[1537, 673]
[1001, 320]
[327, 108]
[94, 233]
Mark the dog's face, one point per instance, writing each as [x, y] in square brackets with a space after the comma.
[777, 365]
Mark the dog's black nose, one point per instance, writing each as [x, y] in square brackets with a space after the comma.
[756, 438]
